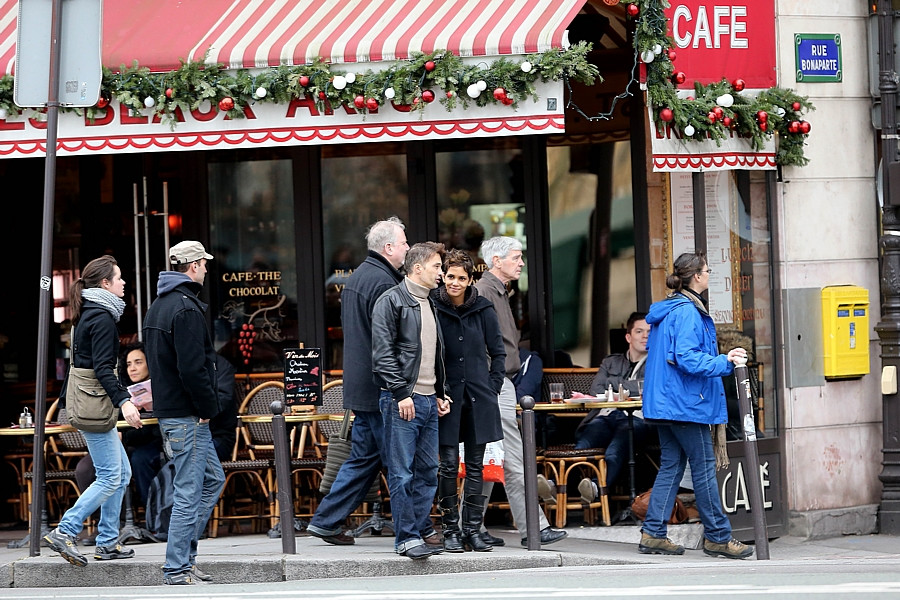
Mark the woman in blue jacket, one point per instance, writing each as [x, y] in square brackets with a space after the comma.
[683, 396]
[474, 357]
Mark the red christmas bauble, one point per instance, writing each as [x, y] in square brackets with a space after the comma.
[415, 101]
[507, 101]
[719, 112]
[304, 80]
[102, 101]
[499, 93]
[322, 95]
[666, 114]
[672, 55]
[727, 121]
[450, 93]
[795, 106]
[428, 96]
[226, 103]
[359, 101]
[805, 127]
[372, 104]
[763, 126]
[794, 127]
[690, 98]
[762, 116]
[738, 85]
[633, 10]
[679, 77]
[711, 116]
[169, 92]
[429, 65]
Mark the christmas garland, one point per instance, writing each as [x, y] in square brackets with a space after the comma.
[716, 110]
[408, 85]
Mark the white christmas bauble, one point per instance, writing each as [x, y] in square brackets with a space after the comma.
[473, 91]
[389, 93]
[3, 113]
[657, 49]
[149, 102]
[261, 92]
[526, 67]
[779, 111]
[481, 85]
[689, 130]
[647, 56]
[339, 82]
[725, 100]
[350, 77]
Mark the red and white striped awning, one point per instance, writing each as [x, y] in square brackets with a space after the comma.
[259, 33]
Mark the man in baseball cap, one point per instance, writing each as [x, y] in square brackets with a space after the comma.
[187, 252]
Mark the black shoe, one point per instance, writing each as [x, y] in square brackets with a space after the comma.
[492, 540]
[435, 548]
[178, 579]
[548, 536]
[112, 552]
[418, 552]
[338, 539]
[452, 543]
[65, 545]
[196, 572]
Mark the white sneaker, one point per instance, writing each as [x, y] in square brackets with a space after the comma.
[588, 490]
[546, 490]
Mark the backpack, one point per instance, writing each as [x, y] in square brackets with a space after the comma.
[160, 499]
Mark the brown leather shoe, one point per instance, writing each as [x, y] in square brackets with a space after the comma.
[434, 540]
[338, 539]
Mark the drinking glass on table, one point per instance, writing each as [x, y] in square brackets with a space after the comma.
[557, 393]
[640, 383]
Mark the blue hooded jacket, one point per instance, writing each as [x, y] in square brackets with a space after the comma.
[684, 370]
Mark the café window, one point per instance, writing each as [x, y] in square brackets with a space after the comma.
[739, 241]
[252, 279]
[480, 194]
[361, 184]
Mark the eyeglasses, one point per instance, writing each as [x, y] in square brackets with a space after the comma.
[708, 271]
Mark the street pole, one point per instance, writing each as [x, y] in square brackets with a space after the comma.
[888, 328]
[532, 530]
[751, 454]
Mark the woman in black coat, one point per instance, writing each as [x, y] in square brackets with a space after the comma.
[474, 358]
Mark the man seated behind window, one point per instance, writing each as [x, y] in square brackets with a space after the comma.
[608, 427]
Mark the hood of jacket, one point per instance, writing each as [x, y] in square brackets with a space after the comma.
[169, 280]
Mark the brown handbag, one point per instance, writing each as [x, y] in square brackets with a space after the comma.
[641, 501]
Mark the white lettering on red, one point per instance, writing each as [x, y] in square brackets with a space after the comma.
[728, 22]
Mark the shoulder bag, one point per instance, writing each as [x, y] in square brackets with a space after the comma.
[88, 406]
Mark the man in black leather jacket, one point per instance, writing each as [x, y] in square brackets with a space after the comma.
[407, 358]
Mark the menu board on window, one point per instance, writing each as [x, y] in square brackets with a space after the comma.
[718, 235]
[303, 376]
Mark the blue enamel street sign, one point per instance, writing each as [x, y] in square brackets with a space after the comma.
[818, 57]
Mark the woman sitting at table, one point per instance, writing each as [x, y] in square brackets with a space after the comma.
[96, 302]
[471, 333]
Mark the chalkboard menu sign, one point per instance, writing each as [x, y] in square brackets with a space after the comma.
[303, 376]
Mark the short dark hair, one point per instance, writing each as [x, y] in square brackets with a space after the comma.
[421, 252]
[459, 258]
[633, 318]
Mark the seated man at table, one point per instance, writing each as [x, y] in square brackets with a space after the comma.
[608, 427]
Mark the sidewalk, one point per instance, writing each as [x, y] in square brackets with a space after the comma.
[257, 558]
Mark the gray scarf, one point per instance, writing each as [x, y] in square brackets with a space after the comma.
[106, 299]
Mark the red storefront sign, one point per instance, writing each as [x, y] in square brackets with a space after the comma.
[716, 39]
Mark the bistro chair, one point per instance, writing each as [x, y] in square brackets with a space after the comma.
[249, 492]
[561, 464]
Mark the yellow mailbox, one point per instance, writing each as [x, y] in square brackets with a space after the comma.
[845, 331]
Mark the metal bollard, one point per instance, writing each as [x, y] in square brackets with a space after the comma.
[283, 479]
[529, 456]
[757, 504]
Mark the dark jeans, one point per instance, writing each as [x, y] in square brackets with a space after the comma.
[611, 432]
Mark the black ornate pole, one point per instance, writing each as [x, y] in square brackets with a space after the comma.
[888, 328]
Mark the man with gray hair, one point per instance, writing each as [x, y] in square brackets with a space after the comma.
[386, 241]
[503, 256]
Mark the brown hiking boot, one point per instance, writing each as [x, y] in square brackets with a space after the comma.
[730, 549]
[652, 545]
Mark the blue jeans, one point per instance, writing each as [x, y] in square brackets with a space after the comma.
[412, 468]
[353, 480]
[680, 443]
[198, 482]
[611, 432]
[113, 473]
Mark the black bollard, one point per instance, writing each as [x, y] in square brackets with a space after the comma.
[529, 456]
[751, 454]
[283, 479]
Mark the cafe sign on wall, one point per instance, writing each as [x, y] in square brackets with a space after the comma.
[818, 57]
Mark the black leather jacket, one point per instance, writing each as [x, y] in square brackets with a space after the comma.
[397, 341]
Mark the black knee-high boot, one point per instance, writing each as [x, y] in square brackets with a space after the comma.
[473, 514]
[449, 506]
